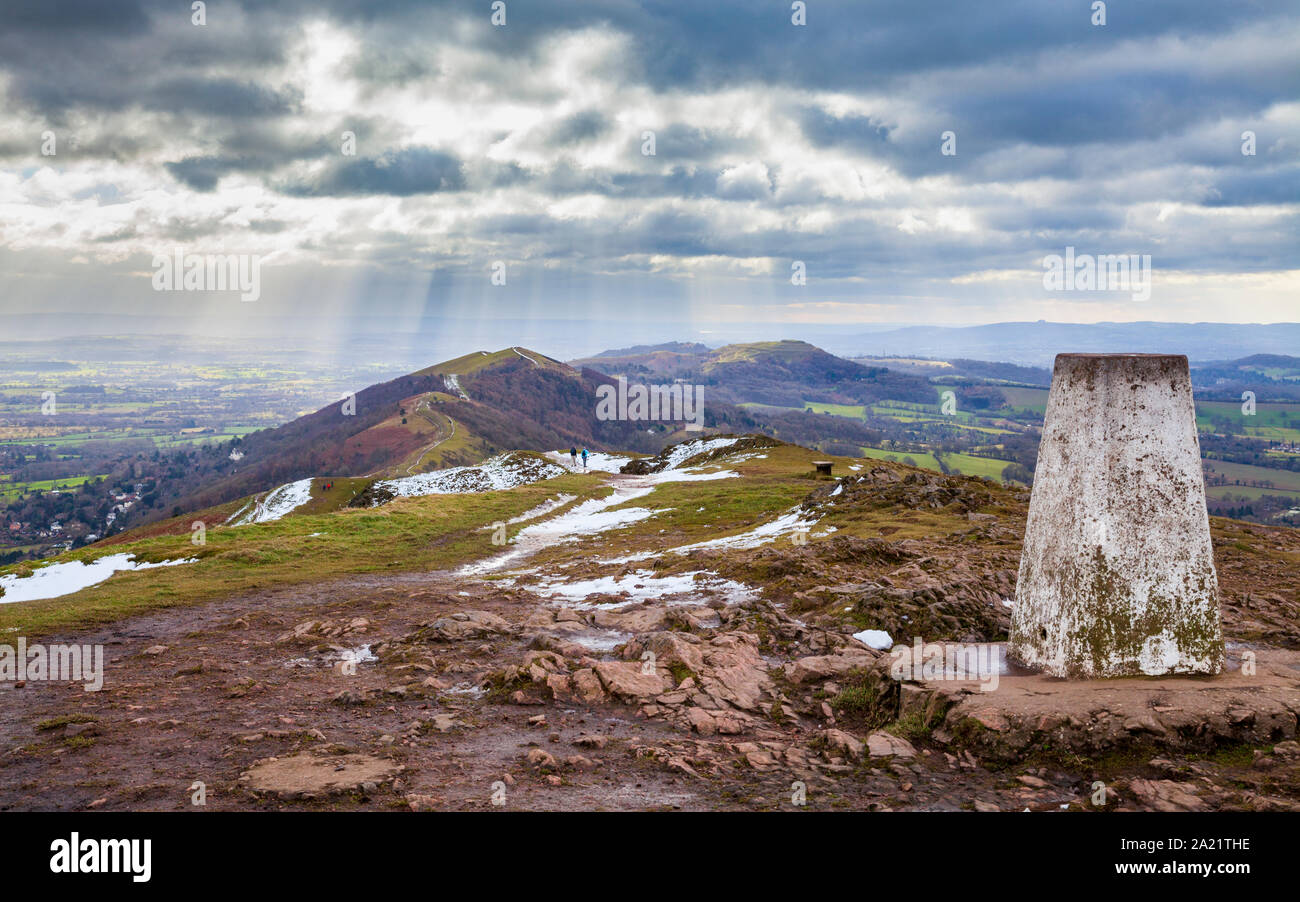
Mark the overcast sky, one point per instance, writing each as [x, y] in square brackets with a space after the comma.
[774, 143]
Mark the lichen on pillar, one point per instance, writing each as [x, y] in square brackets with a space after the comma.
[1117, 573]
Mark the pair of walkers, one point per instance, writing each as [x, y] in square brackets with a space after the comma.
[573, 455]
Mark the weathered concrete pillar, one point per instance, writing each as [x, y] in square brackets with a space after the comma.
[1117, 573]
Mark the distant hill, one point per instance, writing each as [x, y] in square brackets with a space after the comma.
[454, 413]
[771, 373]
[472, 407]
[1038, 343]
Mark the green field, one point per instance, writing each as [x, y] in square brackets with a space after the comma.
[161, 437]
[968, 464]
[1034, 399]
[920, 413]
[1277, 421]
[1223, 492]
[1284, 481]
[10, 491]
[853, 411]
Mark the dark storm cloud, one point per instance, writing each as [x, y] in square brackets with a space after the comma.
[412, 170]
[578, 128]
[221, 97]
[1032, 90]
[258, 152]
[63, 56]
[685, 182]
[827, 130]
[202, 173]
[1280, 185]
[34, 16]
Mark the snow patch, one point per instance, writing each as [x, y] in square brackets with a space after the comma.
[596, 461]
[588, 518]
[760, 535]
[642, 585]
[877, 639]
[359, 655]
[451, 382]
[55, 580]
[505, 471]
[278, 503]
[684, 451]
[544, 508]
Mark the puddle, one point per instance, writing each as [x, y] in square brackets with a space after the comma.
[597, 640]
[359, 655]
[643, 585]
[465, 689]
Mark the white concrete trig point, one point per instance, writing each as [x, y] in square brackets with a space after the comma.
[1117, 573]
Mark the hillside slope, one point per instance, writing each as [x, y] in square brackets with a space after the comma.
[775, 373]
[451, 414]
[707, 632]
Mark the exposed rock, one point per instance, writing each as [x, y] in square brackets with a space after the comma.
[823, 667]
[540, 758]
[845, 744]
[423, 802]
[587, 687]
[443, 723]
[701, 721]
[668, 648]
[348, 697]
[1165, 795]
[625, 680]
[735, 672]
[462, 625]
[881, 744]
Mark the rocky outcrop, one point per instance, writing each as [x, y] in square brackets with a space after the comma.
[667, 458]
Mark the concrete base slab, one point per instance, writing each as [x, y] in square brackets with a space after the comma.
[308, 776]
[1028, 714]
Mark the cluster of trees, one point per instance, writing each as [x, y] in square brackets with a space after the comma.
[1280, 510]
[1241, 450]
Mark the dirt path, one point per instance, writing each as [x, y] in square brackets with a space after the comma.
[203, 693]
[429, 448]
[478, 693]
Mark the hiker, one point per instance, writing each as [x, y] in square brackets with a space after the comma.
[573, 454]
[584, 458]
